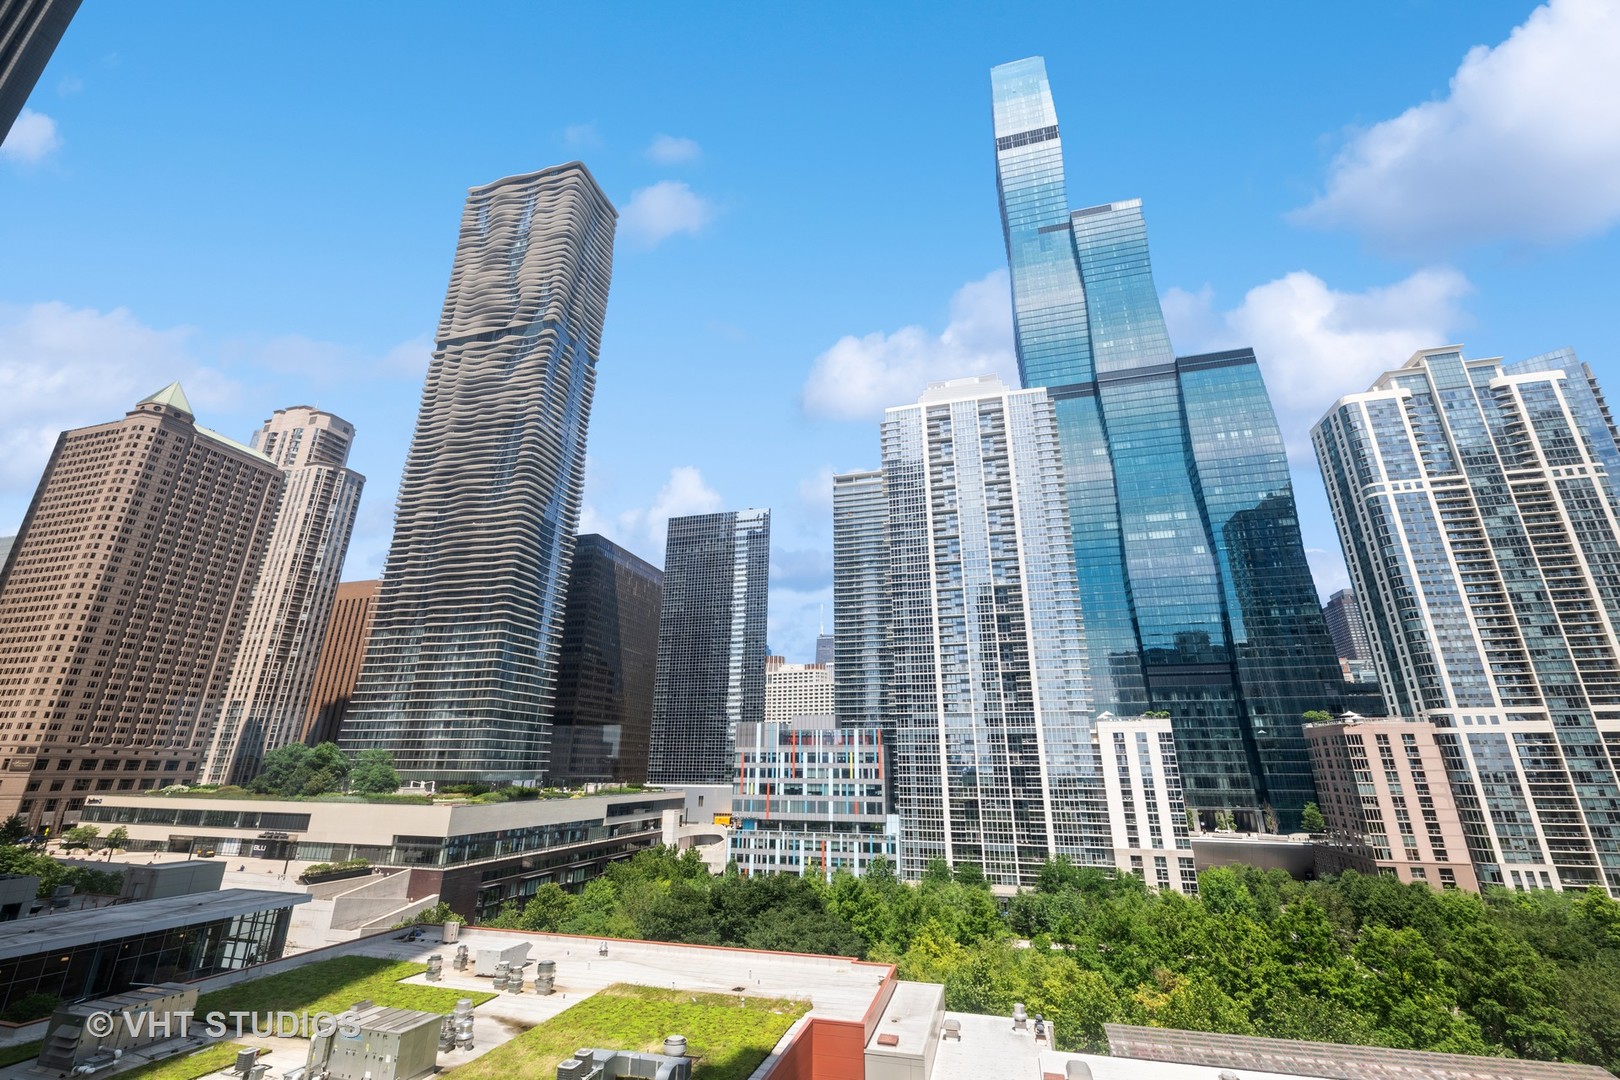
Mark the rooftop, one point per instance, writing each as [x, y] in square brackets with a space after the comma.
[25, 937]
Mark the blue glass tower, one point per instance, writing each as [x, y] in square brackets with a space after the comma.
[1197, 595]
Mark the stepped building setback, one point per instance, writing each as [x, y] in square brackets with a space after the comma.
[459, 680]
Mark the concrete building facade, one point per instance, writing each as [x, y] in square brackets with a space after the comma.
[810, 798]
[797, 690]
[123, 604]
[1147, 810]
[274, 672]
[1479, 521]
[459, 680]
[1388, 805]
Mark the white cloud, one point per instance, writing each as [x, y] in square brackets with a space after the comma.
[685, 493]
[1327, 570]
[673, 150]
[1316, 344]
[63, 367]
[408, 359]
[796, 616]
[859, 377]
[817, 489]
[656, 213]
[1524, 146]
[32, 139]
[582, 135]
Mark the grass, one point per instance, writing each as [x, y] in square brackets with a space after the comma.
[210, 1060]
[729, 1042]
[331, 986]
[10, 1055]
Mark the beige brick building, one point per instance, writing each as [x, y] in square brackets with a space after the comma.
[1388, 805]
[122, 607]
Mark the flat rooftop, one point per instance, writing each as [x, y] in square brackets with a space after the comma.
[67, 929]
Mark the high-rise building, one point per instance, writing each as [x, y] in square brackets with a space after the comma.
[1193, 577]
[123, 604]
[826, 648]
[1388, 807]
[29, 33]
[460, 675]
[795, 691]
[1349, 635]
[860, 598]
[606, 670]
[711, 645]
[1147, 813]
[348, 629]
[810, 798]
[274, 671]
[988, 701]
[1479, 520]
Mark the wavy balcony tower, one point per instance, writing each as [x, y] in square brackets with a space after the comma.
[460, 674]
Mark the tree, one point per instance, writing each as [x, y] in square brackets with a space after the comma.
[373, 773]
[117, 837]
[296, 769]
[13, 830]
[1311, 819]
[80, 836]
[1317, 716]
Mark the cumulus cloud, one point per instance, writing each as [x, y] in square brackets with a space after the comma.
[1523, 147]
[673, 150]
[795, 618]
[859, 377]
[685, 493]
[63, 367]
[1316, 343]
[32, 139]
[657, 213]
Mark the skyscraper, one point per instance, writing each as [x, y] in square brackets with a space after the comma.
[274, 670]
[29, 33]
[988, 703]
[607, 666]
[1349, 635]
[795, 691]
[460, 674]
[1480, 523]
[825, 648]
[122, 606]
[711, 644]
[860, 598]
[1197, 595]
[348, 629]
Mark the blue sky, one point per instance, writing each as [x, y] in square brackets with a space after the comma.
[262, 202]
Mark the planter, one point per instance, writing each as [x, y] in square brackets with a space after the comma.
[333, 875]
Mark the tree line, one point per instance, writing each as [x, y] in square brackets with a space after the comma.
[1354, 959]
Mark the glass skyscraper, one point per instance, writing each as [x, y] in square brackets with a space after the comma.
[1480, 517]
[860, 598]
[1197, 596]
[460, 674]
[987, 705]
[711, 645]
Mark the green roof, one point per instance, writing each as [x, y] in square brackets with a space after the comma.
[170, 395]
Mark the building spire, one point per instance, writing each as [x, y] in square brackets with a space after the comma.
[172, 396]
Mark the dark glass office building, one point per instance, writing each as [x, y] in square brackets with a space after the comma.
[1197, 596]
[711, 645]
[606, 669]
[29, 33]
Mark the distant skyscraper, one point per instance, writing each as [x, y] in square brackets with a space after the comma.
[1197, 595]
[608, 663]
[988, 703]
[1480, 523]
[123, 605]
[825, 648]
[1349, 635]
[347, 631]
[1147, 813]
[29, 33]
[711, 645]
[795, 691]
[275, 667]
[860, 598]
[460, 676]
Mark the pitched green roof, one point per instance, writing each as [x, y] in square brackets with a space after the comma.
[170, 395]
